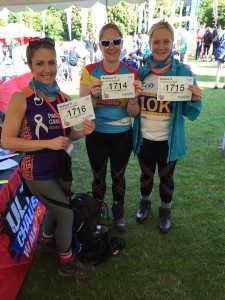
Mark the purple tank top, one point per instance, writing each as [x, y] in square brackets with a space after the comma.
[41, 123]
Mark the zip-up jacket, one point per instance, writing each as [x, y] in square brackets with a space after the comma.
[181, 109]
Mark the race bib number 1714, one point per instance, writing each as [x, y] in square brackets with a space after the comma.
[117, 86]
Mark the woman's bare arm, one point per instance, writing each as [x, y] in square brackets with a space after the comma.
[10, 138]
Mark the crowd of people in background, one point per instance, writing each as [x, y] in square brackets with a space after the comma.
[207, 41]
[79, 53]
[210, 46]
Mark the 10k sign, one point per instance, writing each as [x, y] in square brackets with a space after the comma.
[174, 88]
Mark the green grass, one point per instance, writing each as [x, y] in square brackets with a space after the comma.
[212, 65]
[187, 263]
[208, 78]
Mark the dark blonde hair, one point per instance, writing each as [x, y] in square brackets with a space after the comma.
[109, 26]
[33, 46]
[161, 24]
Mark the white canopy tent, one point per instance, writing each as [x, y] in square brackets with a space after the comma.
[20, 5]
[100, 8]
[41, 5]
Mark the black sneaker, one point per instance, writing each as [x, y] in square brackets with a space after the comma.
[120, 224]
[76, 269]
[215, 87]
[102, 209]
[164, 220]
[143, 210]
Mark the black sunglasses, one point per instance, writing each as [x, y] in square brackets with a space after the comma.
[115, 42]
[36, 41]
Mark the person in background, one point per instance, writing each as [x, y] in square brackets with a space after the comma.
[159, 136]
[89, 43]
[200, 33]
[207, 41]
[214, 34]
[33, 125]
[112, 138]
[219, 55]
[183, 46]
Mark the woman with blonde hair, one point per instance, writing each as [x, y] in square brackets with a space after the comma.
[159, 136]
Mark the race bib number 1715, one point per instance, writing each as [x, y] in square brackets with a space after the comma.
[174, 88]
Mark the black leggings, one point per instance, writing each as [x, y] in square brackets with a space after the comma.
[206, 49]
[152, 153]
[117, 148]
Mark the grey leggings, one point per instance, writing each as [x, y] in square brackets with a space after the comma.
[58, 220]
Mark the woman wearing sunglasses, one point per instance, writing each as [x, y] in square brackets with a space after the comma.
[159, 135]
[33, 125]
[112, 138]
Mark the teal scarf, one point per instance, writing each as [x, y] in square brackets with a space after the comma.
[46, 90]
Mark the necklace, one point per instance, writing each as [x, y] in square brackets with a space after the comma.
[55, 111]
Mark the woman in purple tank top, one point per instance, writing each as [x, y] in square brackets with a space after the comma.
[33, 125]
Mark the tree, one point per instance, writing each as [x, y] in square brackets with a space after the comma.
[37, 21]
[13, 17]
[89, 23]
[54, 25]
[118, 14]
[205, 15]
[2, 23]
[76, 23]
[32, 19]
[65, 34]
[165, 5]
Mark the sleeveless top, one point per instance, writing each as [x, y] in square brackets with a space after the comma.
[41, 123]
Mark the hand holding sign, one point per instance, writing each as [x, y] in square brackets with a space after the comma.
[118, 86]
[74, 112]
[174, 88]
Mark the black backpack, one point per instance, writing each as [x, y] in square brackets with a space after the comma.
[86, 215]
[95, 237]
